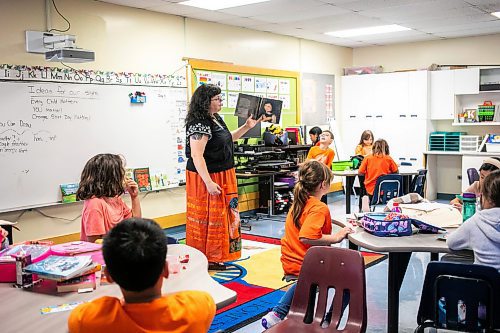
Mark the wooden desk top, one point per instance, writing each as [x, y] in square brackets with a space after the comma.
[20, 311]
[413, 243]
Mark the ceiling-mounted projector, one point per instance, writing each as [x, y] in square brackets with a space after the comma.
[57, 47]
[70, 55]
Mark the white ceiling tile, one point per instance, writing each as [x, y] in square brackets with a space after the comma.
[404, 39]
[488, 6]
[495, 25]
[469, 33]
[242, 22]
[136, 3]
[296, 14]
[212, 16]
[361, 5]
[338, 22]
[275, 7]
[177, 9]
[426, 24]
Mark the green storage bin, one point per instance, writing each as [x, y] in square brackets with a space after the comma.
[341, 165]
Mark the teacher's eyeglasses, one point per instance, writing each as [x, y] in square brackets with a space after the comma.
[218, 98]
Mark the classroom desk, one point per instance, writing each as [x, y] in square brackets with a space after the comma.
[20, 311]
[400, 250]
[350, 175]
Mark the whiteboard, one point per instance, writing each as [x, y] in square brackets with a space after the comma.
[48, 130]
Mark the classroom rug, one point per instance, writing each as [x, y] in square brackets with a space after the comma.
[257, 279]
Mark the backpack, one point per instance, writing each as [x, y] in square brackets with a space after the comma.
[356, 161]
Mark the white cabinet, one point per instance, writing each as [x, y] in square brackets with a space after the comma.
[466, 81]
[442, 93]
[418, 86]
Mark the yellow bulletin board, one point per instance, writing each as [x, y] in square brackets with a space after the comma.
[234, 79]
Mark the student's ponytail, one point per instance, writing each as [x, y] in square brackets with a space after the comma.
[311, 175]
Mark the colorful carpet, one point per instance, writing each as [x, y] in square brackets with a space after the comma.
[256, 278]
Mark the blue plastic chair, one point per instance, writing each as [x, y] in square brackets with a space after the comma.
[460, 297]
[473, 175]
[387, 188]
[418, 182]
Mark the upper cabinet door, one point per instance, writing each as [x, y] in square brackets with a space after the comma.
[442, 102]
[466, 81]
[418, 95]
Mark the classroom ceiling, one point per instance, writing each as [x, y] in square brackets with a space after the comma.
[310, 19]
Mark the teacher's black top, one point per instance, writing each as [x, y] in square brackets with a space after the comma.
[219, 149]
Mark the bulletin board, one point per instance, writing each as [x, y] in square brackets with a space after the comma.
[53, 120]
[234, 79]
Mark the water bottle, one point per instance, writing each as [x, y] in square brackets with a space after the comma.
[396, 208]
[469, 206]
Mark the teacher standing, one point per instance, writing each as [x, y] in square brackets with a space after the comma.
[213, 222]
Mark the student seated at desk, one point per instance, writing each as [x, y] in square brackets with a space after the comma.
[101, 185]
[489, 165]
[376, 165]
[135, 255]
[323, 153]
[307, 224]
[481, 232]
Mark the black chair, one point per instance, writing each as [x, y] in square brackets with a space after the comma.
[418, 182]
[473, 175]
[387, 188]
[460, 297]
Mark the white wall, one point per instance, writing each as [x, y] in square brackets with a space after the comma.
[135, 40]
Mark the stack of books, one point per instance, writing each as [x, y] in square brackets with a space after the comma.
[71, 272]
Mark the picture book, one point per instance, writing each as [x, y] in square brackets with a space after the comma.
[68, 192]
[142, 178]
[73, 248]
[159, 180]
[255, 106]
[35, 250]
[61, 268]
[80, 282]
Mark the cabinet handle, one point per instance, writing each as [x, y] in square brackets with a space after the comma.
[402, 159]
[414, 116]
[379, 116]
[402, 116]
[413, 159]
[352, 116]
[368, 116]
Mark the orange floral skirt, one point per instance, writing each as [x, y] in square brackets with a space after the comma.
[213, 221]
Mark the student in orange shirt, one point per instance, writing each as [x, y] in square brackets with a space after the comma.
[135, 255]
[365, 145]
[308, 223]
[101, 185]
[378, 164]
[323, 153]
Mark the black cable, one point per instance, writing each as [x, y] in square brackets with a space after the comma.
[62, 63]
[57, 10]
[55, 217]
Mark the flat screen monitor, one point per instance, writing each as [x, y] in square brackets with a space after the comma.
[251, 133]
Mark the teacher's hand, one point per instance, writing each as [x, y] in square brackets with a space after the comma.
[250, 123]
[213, 188]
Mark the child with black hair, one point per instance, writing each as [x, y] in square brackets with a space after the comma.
[481, 232]
[101, 185]
[135, 255]
[489, 165]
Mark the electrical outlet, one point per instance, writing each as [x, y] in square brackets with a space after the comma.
[459, 177]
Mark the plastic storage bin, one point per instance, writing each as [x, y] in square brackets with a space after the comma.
[342, 165]
[445, 141]
[470, 142]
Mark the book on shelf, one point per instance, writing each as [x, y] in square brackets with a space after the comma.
[68, 192]
[143, 179]
[60, 268]
[255, 106]
[80, 282]
[159, 180]
[483, 143]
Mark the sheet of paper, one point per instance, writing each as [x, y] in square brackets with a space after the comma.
[284, 87]
[247, 84]
[234, 82]
[272, 86]
[425, 206]
[232, 99]
[260, 84]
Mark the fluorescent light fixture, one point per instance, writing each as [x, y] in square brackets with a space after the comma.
[497, 14]
[219, 4]
[381, 29]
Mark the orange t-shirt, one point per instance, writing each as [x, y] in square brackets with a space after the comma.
[182, 312]
[374, 166]
[324, 156]
[315, 221]
[100, 215]
[363, 150]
